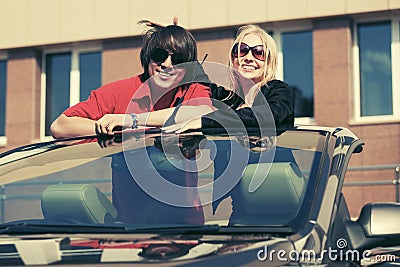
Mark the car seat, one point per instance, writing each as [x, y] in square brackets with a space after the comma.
[77, 203]
[277, 198]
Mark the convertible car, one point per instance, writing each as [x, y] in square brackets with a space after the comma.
[202, 198]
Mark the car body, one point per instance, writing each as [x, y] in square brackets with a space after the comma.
[60, 201]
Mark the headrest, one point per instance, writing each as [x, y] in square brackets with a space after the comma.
[271, 192]
[80, 203]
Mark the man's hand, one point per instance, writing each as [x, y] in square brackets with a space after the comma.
[108, 122]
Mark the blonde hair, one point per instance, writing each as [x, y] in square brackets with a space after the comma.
[269, 45]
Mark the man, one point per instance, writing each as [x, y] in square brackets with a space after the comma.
[165, 83]
[117, 103]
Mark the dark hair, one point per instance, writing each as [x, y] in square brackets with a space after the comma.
[172, 38]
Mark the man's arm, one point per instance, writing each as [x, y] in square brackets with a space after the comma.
[64, 127]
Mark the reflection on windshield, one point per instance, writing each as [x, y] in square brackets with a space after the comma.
[165, 180]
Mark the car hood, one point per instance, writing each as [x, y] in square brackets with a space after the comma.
[137, 249]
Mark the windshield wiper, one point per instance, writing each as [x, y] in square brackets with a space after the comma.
[41, 228]
[179, 229]
[214, 229]
[33, 228]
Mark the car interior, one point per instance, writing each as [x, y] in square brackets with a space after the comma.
[275, 200]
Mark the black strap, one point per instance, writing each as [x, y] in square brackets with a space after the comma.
[171, 119]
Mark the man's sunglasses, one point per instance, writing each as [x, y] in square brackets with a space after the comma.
[159, 55]
[257, 51]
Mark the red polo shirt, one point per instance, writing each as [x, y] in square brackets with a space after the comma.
[133, 96]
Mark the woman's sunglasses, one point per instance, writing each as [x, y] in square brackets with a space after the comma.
[257, 51]
[159, 55]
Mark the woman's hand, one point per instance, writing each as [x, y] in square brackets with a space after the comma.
[108, 122]
[194, 123]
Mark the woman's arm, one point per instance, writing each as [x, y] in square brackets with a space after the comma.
[159, 117]
[281, 97]
[275, 104]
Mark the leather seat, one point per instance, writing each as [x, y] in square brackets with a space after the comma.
[77, 203]
[271, 197]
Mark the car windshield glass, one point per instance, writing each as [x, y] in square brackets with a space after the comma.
[154, 180]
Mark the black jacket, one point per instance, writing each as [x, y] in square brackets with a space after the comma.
[278, 95]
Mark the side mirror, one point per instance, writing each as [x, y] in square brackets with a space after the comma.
[377, 225]
[380, 219]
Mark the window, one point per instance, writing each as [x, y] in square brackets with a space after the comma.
[3, 88]
[298, 69]
[377, 87]
[90, 73]
[69, 78]
[58, 67]
[375, 69]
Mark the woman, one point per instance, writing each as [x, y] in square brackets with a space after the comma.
[253, 57]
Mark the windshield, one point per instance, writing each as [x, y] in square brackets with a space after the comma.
[146, 181]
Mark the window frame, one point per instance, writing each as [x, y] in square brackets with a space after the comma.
[395, 65]
[74, 89]
[277, 35]
[3, 138]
